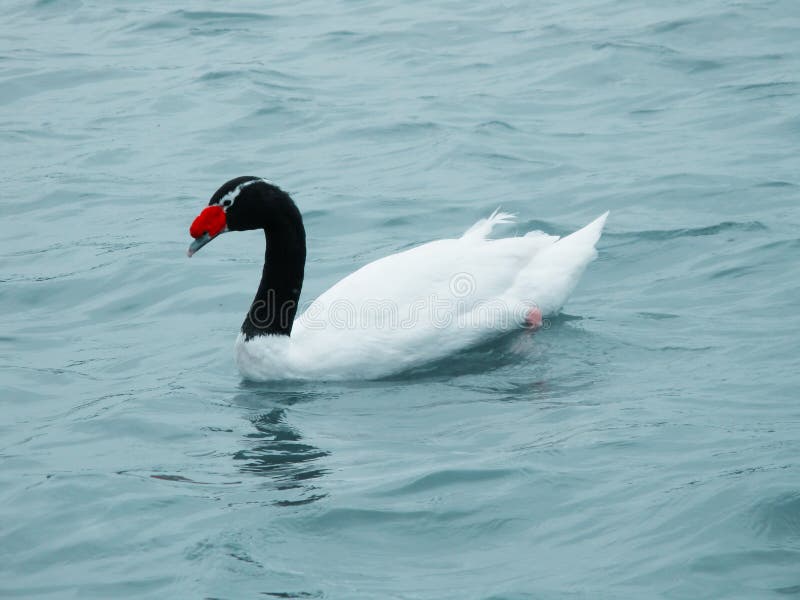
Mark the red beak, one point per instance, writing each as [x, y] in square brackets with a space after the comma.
[208, 225]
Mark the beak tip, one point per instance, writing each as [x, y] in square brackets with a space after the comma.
[198, 243]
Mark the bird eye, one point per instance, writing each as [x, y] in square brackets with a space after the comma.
[226, 203]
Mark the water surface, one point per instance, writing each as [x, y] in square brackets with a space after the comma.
[645, 445]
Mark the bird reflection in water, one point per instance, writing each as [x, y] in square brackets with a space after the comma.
[276, 450]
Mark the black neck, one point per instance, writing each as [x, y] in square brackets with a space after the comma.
[275, 305]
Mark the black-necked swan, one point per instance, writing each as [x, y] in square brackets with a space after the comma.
[394, 313]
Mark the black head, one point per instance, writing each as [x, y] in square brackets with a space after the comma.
[241, 204]
[242, 199]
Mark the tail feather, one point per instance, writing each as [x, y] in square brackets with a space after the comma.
[483, 228]
[551, 275]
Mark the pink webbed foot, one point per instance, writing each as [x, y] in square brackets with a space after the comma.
[533, 319]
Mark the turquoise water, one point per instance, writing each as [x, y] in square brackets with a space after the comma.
[645, 445]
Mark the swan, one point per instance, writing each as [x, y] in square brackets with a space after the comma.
[395, 313]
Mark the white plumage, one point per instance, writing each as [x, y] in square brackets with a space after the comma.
[425, 303]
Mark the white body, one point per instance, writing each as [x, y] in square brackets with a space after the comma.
[423, 304]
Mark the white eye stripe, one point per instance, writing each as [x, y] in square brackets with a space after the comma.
[231, 196]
